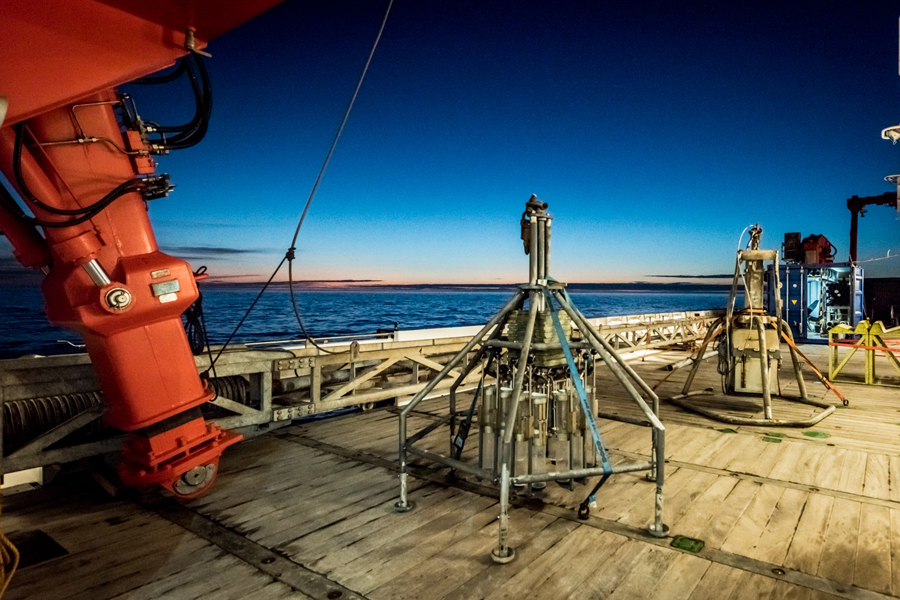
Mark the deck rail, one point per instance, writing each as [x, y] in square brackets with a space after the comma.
[264, 386]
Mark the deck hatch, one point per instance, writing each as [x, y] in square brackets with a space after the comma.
[35, 547]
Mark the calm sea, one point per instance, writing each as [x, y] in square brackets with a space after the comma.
[24, 328]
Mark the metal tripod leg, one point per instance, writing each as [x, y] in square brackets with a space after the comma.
[503, 553]
[403, 504]
[710, 335]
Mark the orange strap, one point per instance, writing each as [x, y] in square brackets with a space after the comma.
[821, 377]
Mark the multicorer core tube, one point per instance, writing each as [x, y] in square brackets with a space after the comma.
[536, 405]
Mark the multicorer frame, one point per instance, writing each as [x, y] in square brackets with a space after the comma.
[749, 340]
[535, 410]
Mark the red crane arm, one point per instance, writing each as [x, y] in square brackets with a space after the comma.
[85, 173]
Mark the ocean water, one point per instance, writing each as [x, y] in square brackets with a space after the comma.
[24, 328]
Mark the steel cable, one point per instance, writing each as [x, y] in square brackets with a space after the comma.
[315, 187]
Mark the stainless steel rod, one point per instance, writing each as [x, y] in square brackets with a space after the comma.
[578, 473]
[625, 366]
[795, 360]
[511, 305]
[533, 252]
[520, 373]
[613, 366]
[542, 246]
[711, 333]
[764, 366]
[547, 248]
[450, 462]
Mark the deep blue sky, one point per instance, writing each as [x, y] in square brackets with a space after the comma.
[657, 131]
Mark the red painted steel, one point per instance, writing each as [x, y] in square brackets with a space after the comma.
[60, 63]
[55, 53]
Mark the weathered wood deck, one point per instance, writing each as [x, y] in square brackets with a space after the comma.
[307, 512]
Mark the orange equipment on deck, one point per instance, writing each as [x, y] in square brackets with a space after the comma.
[81, 160]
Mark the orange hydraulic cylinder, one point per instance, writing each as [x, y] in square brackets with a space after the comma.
[141, 353]
[138, 346]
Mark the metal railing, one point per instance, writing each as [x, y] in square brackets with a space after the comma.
[283, 382]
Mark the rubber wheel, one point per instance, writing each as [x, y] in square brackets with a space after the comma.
[197, 493]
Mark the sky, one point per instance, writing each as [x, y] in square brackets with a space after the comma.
[656, 131]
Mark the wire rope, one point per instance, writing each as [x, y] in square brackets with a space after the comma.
[315, 187]
[290, 254]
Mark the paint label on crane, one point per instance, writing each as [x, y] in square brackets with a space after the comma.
[165, 287]
[159, 273]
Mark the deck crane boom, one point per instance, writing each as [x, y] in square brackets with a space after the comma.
[73, 151]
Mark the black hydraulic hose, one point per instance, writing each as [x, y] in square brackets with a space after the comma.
[9, 202]
[132, 185]
[202, 98]
[26, 191]
[167, 78]
[20, 178]
[199, 125]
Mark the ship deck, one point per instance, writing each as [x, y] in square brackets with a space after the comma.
[307, 512]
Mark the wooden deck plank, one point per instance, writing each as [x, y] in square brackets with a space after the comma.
[752, 586]
[838, 560]
[678, 499]
[735, 448]
[382, 494]
[702, 438]
[729, 512]
[449, 568]
[752, 523]
[320, 543]
[809, 539]
[718, 582]
[376, 568]
[300, 491]
[753, 449]
[788, 591]
[614, 502]
[829, 475]
[895, 551]
[808, 465]
[397, 525]
[645, 574]
[873, 550]
[894, 477]
[348, 487]
[246, 587]
[763, 465]
[546, 566]
[594, 551]
[164, 551]
[775, 540]
[877, 478]
[696, 518]
[681, 579]
[788, 461]
[636, 499]
[273, 591]
[528, 550]
[853, 474]
[609, 574]
[231, 574]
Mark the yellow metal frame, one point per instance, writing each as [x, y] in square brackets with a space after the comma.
[872, 338]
